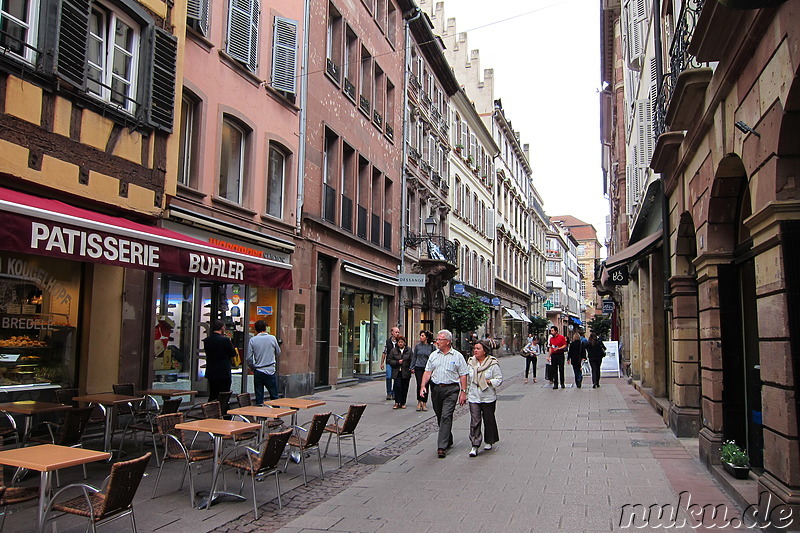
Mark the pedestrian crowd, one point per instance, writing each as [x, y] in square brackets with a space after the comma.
[448, 378]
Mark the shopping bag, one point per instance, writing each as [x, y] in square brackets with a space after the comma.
[586, 368]
[548, 372]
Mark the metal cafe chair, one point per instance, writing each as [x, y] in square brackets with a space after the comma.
[258, 463]
[309, 442]
[112, 501]
[346, 431]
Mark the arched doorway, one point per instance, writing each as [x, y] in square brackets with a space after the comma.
[729, 207]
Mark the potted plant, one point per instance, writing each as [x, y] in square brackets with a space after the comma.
[458, 148]
[734, 460]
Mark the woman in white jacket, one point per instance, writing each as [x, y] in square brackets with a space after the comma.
[484, 378]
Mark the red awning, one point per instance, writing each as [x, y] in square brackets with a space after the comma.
[42, 226]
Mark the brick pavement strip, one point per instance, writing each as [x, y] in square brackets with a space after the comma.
[298, 501]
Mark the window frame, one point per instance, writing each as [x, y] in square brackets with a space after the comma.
[31, 25]
[231, 121]
[273, 147]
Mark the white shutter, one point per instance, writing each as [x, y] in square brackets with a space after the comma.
[490, 226]
[243, 32]
[198, 10]
[284, 55]
[645, 137]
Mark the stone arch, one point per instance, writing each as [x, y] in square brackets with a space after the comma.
[684, 372]
[729, 333]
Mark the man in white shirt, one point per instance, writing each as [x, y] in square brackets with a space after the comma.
[446, 372]
[261, 359]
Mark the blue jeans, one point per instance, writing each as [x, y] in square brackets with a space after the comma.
[260, 379]
[389, 389]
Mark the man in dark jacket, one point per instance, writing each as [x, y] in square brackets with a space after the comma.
[219, 351]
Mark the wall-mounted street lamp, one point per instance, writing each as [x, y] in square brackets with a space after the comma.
[430, 230]
[744, 128]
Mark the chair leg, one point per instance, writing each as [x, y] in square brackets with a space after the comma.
[133, 521]
[278, 488]
[355, 452]
[330, 436]
[319, 457]
[191, 485]
[302, 460]
[338, 447]
[255, 502]
[158, 478]
[5, 510]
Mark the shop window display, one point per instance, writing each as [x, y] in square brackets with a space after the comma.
[38, 313]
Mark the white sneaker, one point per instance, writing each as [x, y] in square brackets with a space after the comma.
[473, 452]
[487, 447]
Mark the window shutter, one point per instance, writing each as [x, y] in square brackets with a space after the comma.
[73, 36]
[198, 10]
[490, 226]
[165, 53]
[284, 55]
[243, 32]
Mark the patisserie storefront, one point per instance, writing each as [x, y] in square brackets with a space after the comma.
[82, 292]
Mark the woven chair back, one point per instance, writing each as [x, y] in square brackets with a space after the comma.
[166, 426]
[211, 410]
[317, 429]
[244, 399]
[171, 406]
[65, 396]
[352, 418]
[71, 430]
[122, 485]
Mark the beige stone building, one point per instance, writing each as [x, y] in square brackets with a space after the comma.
[700, 117]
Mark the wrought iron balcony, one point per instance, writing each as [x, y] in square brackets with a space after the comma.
[332, 69]
[680, 60]
[349, 89]
[436, 247]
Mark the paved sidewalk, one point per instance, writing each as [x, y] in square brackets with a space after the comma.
[568, 460]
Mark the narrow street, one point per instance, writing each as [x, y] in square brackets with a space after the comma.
[568, 460]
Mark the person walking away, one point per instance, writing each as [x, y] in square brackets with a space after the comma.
[446, 373]
[531, 354]
[262, 352]
[558, 346]
[400, 361]
[596, 350]
[391, 342]
[419, 359]
[219, 352]
[484, 378]
[576, 355]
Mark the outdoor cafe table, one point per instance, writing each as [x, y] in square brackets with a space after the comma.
[109, 401]
[29, 409]
[295, 403]
[45, 459]
[167, 393]
[262, 412]
[218, 428]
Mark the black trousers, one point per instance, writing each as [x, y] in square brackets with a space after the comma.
[418, 371]
[528, 360]
[485, 412]
[401, 385]
[595, 364]
[217, 385]
[445, 398]
[557, 365]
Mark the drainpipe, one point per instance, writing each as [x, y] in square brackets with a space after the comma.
[408, 17]
[664, 200]
[303, 119]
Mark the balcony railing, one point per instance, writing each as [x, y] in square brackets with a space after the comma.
[349, 89]
[435, 246]
[363, 104]
[679, 60]
[332, 69]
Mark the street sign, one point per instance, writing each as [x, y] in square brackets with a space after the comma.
[411, 280]
[548, 304]
[495, 301]
[619, 276]
[608, 307]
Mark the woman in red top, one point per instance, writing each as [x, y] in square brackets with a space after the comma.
[558, 346]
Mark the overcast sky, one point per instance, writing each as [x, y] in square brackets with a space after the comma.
[546, 60]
